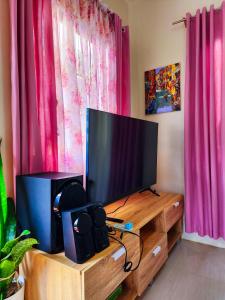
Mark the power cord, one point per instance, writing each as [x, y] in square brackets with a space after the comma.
[111, 230]
[127, 264]
[127, 267]
[142, 247]
[112, 212]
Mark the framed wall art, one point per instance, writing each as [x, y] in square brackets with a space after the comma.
[162, 89]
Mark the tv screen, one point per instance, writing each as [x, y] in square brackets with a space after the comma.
[121, 156]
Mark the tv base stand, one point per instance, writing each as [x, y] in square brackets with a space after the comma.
[150, 190]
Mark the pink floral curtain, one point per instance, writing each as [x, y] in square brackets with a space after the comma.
[85, 67]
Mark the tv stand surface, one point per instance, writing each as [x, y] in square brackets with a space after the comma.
[158, 220]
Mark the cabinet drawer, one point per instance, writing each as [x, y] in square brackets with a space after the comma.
[100, 280]
[173, 213]
[151, 264]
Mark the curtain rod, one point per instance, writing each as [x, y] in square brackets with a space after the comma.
[179, 21]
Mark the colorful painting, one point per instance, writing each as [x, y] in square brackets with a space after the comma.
[162, 90]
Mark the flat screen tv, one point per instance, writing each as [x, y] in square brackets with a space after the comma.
[121, 156]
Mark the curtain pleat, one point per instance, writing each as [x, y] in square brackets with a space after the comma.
[45, 80]
[27, 156]
[33, 88]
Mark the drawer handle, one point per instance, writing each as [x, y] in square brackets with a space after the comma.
[156, 251]
[176, 204]
[118, 253]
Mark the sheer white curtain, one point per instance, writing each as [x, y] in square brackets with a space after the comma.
[85, 64]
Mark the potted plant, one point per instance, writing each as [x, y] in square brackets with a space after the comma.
[11, 286]
[12, 250]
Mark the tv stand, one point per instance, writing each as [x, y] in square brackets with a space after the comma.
[157, 220]
[151, 190]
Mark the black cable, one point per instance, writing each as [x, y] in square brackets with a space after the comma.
[112, 212]
[111, 230]
[142, 248]
[127, 264]
[127, 267]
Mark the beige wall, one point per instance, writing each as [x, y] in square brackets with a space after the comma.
[155, 42]
[5, 108]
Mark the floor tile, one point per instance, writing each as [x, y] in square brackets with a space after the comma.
[193, 272]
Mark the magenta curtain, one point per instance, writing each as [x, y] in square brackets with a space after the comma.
[205, 123]
[45, 80]
[33, 119]
[122, 66]
[26, 137]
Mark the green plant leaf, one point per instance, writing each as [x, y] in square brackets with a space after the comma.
[7, 267]
[25, 232]
[8, 247]
[10, 226]
[3, 205]
[4, 285]
[10, 244]
[20, 249]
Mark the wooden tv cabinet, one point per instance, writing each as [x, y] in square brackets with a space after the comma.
[158, 220]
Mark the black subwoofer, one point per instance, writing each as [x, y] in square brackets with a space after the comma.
[40, 199]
